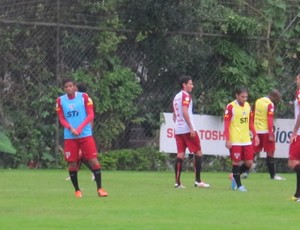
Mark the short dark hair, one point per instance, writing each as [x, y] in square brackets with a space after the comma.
[274, 93]
[241, 89]
[184, 80]
[82, 87]
[66, 80]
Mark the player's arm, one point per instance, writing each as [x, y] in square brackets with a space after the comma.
[297, 124]
[187, 119]
[227, 119]
[60, 114]
[252, 128]
[88, 103]
[270, 120]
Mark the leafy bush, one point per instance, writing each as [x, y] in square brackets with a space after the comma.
[150, 159]
[141, 159]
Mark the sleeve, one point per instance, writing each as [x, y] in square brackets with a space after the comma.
[60, 114]
[227, 119]
[89, 107]
[186, 100]
[270, 117]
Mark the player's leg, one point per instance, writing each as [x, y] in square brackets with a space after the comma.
[270, 161]
[269, 148]
[194, 146]
[294, 164]
[85, 162]
[71, 156]
[246, 171]
[96, 170]
[181, 146]
[270, 164]
[256, 149]
[235, 155]
[197, 165]
[89, 152]
[74, 177]
[247, 155]
[239, 154]
[197, 169]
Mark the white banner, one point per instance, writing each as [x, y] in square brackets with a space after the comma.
[211, 133]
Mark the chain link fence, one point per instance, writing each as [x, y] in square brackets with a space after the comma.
[43, 41]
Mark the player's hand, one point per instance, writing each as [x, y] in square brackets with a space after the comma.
[271, 137]
[228, 144]
[193, 133]
[74, 131]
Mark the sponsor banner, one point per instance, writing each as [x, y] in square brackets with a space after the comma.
[211, 133]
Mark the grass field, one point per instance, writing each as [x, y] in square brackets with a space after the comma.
[43, 199]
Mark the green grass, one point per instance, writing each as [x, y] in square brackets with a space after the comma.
[43, 199]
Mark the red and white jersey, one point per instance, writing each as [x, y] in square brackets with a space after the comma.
[297, 107]
[182, 99]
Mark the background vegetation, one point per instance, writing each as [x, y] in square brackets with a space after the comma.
[130, 53]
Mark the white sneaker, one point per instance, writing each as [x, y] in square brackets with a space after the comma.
[201, 184]
[276, 177]
[242, 189]
[180, 186]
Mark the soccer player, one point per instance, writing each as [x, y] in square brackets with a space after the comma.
[263, 124]
[294, 151]
[75, 112]
[186, 135]
[82, 87]
[238, 123]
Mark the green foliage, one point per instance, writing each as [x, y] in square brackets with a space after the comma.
[216, 163]
[216, 101]
[239, 25]
[237, 68]
[238, 57]
[114, 97]
[6, 145]
[251, 43]
[29, 110]
[141, 159]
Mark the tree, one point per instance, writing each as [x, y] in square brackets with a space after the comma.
[114, 88]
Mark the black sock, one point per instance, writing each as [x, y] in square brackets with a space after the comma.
[97, 175]
[236, 175]
[178, 168]
[74, 179]
[197, 167]
[271, 166]
[243, 168]
[297, 170]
